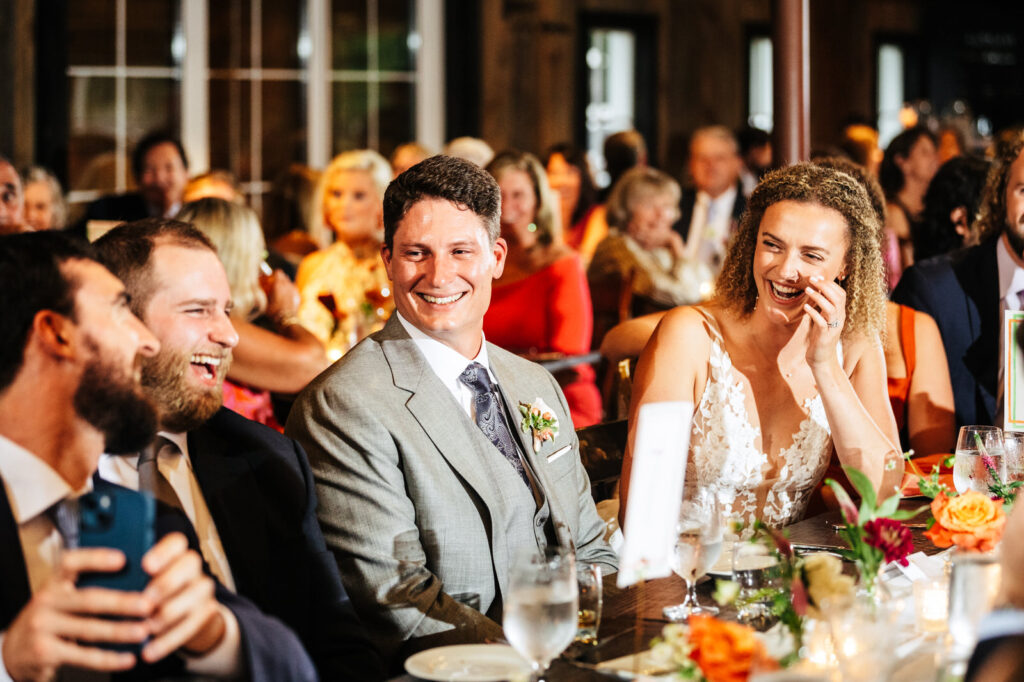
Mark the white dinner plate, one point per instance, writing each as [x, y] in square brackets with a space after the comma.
[468, 663]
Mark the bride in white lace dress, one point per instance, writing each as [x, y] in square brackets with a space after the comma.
[786, 362]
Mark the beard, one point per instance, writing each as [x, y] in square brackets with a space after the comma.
[182, 405]
[111, 400]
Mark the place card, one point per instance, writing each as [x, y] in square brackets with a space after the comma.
[1013, 371]
[656, 481]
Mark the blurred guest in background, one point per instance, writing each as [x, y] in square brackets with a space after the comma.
[711, 209]
[45, 207]
[160, 168]
[471, 149]
[274, 353]
[571, 180]
[756, 154]
[541, 304]
[950, 207]
[859, 141]
[408, 155]
[288, 214]
[951, 143]
[12, 199]
[344, 288]
[908, 166]
[643, 248]
[220, 184]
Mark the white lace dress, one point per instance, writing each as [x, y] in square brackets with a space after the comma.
[723, 456]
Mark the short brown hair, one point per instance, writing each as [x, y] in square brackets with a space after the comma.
[808, 183]
[126, 251]
[461, 182]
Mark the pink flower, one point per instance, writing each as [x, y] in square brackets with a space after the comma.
[846, 505]
[890, 536]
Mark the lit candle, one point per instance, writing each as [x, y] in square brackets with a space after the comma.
[931, 599]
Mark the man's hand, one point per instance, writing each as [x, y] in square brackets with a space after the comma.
[49, 632]
[185, 613]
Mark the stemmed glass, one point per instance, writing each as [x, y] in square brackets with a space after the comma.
[541, 608]
[974, 464]
[697, 547]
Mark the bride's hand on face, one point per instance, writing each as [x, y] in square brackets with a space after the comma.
[826, 312]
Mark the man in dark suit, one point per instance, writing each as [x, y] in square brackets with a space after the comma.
[710, 210]
[160, 168]
[247, 489]
[69, 342]
[968, 291]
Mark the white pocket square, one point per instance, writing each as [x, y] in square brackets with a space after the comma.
[558, 453]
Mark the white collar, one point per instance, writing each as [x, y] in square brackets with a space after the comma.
[1011, 274]
[33, 486]
[726, 198]
[446, 362]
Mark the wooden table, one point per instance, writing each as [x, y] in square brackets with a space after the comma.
[620, 622]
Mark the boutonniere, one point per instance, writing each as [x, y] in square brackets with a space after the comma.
[540, 419]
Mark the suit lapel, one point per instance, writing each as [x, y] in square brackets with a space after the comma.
[14, 588]
[231, 493]
[434, 408]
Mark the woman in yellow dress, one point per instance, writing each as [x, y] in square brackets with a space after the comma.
[345, 291]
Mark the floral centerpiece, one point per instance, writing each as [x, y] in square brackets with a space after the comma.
[711, 650]
[874, 531]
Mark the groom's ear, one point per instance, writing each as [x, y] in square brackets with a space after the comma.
[500, 253]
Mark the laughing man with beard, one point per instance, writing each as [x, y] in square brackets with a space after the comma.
[247, 490]
[70, 388]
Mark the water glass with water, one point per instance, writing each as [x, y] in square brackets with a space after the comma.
[540, 614]
[698, 544]
[973, 588]
[754, 568]
[979, 458]
[1013, 448]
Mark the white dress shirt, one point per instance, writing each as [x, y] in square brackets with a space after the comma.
[449, 363]
[710, 227]
[177, 469]
[1011, 284]
[32, 487]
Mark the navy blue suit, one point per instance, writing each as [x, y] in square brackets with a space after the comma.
[260, 492]
[121, 207]
[270, 650]
[960, 291]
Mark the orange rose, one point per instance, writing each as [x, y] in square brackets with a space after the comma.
[971, 521]
[725, 651]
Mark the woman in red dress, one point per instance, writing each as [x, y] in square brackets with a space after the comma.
[541, 304]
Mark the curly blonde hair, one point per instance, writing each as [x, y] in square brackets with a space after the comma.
[992, 213]
[830, 188]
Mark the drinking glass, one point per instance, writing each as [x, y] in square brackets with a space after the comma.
[540, 612]
[973, 588]
[697, 547]
[755, 568]
[1013, 447]
[589, 576]
[979, 454]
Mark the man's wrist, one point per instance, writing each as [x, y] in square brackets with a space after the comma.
[208, 637]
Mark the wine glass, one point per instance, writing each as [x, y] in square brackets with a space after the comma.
[979, 455]
[697, 547]
[541, 608]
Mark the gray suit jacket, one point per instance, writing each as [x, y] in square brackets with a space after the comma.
[409, 510]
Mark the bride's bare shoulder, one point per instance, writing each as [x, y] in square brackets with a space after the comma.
[685, 328]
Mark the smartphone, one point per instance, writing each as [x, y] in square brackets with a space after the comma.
[121, 519]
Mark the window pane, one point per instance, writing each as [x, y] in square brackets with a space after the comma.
[396, 23]
[349, 124]
[761, 114]
[284, 126]
[611, 59]
[229, 34]
[280, 35]
[91, 32]
[397, 115]
[91, 142]
[890, 92]
[153, 104]
[150, 33]
[230, 124]
[348, 35]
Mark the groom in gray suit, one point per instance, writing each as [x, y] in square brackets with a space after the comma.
[429, 483]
